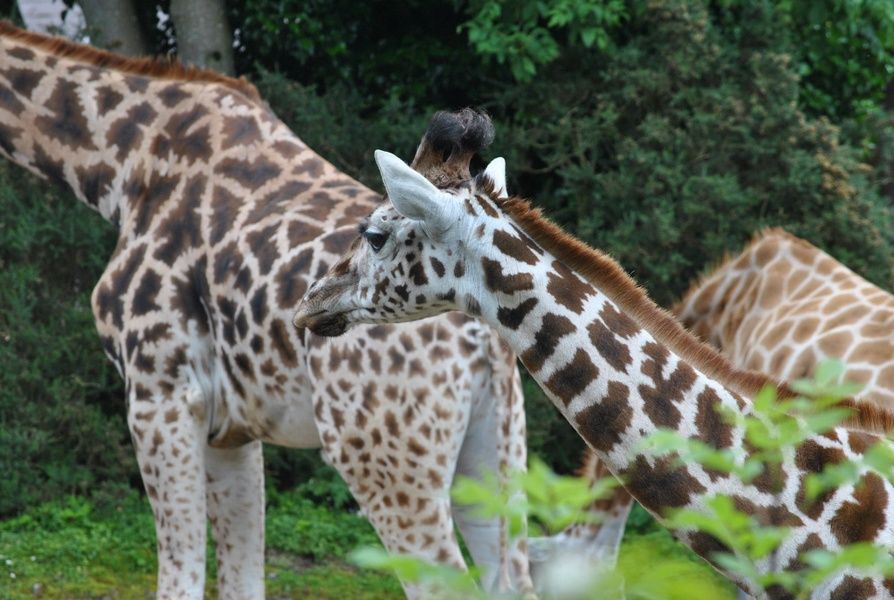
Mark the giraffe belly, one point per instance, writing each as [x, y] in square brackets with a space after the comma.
[280, 413]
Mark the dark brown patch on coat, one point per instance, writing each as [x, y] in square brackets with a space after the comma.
[659, 399]
[713, 430]
[568, 289]
[9, 101]
[279, 336]
[95, 181]
[223, 217]
[338, 242]
[618, 322]
[300, 233]
[251, 174]
[279, 201]
[258, 304]
[438, 266]
[291, 280]
[184, 139]
[146, 293]
[110, 299]
[21, 52]
[147, 199]
[172, 95]
[569, 381]
[602, 424]
[240, 130]
[182, 226]
[107, 98]
[126, 133]
[852, 588]
[552, 329]
[496, 281]
[67, 125]
[812, 458]
[662, 485]
[417, 274]
[707, 545]
[861, 521]
[23, 81]
[262, 243]
[514, 247]
[513, 317]
[612, 350]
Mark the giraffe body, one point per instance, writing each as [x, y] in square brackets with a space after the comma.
[613, 363]
[779, 307]
[223, 216]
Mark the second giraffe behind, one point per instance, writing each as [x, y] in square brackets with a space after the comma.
[615, 365]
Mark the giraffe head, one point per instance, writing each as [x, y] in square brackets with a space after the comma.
[410, 259]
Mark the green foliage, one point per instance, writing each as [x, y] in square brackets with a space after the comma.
[553, 501]
[691, 140]
[523, 33]
[61, 407]
[773, 429]
[845, 53]
[296, 524]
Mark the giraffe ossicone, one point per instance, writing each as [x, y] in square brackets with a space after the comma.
[613, 363]
[223, 216]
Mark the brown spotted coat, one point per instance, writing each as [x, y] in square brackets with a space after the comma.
[223, 215]
[618, 367]
[779, 307]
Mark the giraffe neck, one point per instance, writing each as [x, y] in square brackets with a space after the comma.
[612, 379]
[69, 116]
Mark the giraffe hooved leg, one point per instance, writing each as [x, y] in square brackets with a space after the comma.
[423, 529]
[170, 444]
[235, 492]
[599, 542]
[502, 561]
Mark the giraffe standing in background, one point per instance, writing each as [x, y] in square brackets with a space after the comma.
[779, 307]
[223, 215]
[614, 364]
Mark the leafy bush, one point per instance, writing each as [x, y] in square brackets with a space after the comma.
[62, 419]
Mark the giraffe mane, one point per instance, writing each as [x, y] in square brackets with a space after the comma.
[158, 68]
[610, 278]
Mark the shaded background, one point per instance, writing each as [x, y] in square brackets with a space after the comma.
[665, 132]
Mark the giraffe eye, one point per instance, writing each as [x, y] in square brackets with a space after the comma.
[375, 238]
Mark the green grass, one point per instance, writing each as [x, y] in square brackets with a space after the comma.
[71, 549]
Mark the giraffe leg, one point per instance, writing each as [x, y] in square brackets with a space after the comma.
[170, 444]
[405, 498]
[235, 492]
[495, 443]
[600, 541]
[486, 538]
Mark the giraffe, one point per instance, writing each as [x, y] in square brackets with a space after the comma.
[778, 307]
[223, 215]
[613, 363]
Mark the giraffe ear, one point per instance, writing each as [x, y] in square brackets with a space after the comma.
[414, 196]
[496, 171]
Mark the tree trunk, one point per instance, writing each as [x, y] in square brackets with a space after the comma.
[204, 37]
[113, 25]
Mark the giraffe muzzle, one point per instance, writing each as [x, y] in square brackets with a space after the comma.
[321, 322]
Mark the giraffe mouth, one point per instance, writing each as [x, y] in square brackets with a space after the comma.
[323, 323]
